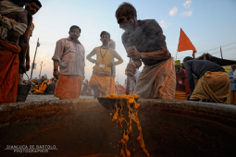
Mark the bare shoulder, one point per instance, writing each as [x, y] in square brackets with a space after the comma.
[20, 17]
[24, 17]
[96, 49]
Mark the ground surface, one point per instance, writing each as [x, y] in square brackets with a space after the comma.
[33, 97]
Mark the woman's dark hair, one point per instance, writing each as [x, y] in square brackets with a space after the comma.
[126, 9]
[75, 27]
[105, 33]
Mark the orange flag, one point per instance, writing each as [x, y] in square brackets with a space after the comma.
[185, 43]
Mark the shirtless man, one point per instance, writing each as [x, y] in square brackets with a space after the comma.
[144, 42]
[33, 8]
[13, 44]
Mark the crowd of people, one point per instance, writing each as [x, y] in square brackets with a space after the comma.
[43, 85]
[144, 43]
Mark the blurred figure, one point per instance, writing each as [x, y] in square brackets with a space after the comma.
[120, 90]
[233, 84]
[86, 89]
[69, 55]
[112, 89]
[100, 80]
[182, 87]
[144, 42]
[15, 23]
[42, 86]
[51, 86]
[133, 81]
[213, 83]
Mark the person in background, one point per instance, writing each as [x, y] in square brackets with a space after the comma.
[42, 86]
[70, 56]
[112, 89]
[182, 87]
[213, 83]
[15, 23]
[144, 42]
[51, 86]
[32, 8]
[233, 85]
[86, 89]
[100, 80]
[120, 90]
[133, 81]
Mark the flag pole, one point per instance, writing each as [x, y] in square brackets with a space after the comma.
[176, 55]
[34, 59]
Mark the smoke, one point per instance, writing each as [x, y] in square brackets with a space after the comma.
[112, 44]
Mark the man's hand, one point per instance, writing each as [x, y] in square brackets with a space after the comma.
[95, 62]
[110, 65]
[22, 69]
[56, 74]
[27, 66]
[133, 52]
[130, 70]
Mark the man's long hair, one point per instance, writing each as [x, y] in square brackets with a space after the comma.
[21, 3]
[36, 2]
[126, 9]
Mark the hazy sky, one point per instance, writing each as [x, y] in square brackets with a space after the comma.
[209, 24]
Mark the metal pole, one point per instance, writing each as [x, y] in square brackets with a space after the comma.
[221, 53]
[34, 60]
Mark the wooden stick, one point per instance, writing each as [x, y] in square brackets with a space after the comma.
[127, 82]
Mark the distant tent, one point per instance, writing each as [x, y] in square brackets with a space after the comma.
[221, 62]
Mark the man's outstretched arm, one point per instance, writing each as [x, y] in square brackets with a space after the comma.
[89, 56]
[118, 57]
